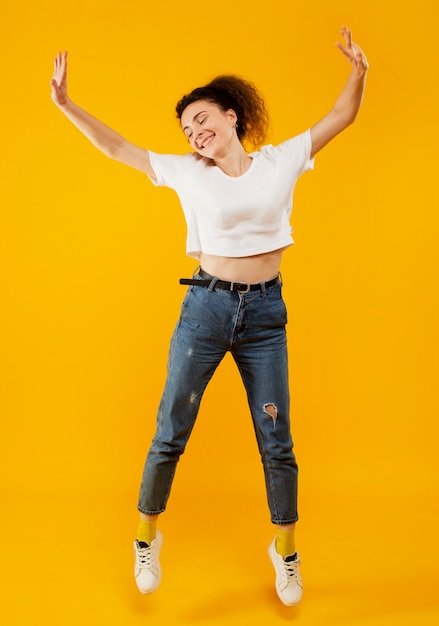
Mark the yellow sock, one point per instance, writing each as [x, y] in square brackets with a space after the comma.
[146, 530]
[285, 542]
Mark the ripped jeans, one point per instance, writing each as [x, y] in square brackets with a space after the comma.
[252, 327]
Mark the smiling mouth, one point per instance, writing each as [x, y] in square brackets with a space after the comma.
[207, 142]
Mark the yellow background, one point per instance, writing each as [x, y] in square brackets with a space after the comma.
[91, 254]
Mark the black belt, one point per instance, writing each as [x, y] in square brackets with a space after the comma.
[207, 280]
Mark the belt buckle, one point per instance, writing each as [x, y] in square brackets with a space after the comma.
[246, 290]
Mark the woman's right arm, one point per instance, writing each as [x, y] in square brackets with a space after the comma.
[102, 136]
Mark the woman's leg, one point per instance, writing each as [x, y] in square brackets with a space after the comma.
[193, 357]
[196, 350]
[260, 352]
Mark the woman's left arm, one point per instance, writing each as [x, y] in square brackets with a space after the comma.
[348, 103]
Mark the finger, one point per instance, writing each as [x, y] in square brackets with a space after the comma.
[57, 63]
[344, 51]
[347, 35]
[64, 62]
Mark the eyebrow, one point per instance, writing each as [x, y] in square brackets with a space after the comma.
[194, 118]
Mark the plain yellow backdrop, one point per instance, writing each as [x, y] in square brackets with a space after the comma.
[91, 255]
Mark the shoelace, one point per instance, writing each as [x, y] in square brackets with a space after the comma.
[290, 570]
[144, 556]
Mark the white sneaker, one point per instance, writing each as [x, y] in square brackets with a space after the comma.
[147, 570]
[288, 581]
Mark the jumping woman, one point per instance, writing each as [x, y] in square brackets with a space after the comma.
[237, 206]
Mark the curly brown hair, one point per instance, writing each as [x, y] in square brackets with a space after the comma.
[228, 91]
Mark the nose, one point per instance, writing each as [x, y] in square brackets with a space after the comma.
[198, 134]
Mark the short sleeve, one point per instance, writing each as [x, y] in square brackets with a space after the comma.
[295, 153]
[167, 168]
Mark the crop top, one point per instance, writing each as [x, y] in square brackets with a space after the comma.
[237, 216]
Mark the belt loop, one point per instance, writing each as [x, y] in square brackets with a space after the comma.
[263, 290]
[212, 283]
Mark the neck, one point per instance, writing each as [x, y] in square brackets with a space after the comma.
[235, 163]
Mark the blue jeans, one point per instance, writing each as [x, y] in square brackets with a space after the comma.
[252, 327]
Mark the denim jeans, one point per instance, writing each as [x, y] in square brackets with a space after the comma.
[252, 327]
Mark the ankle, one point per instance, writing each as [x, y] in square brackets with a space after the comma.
[147, 530]
[285, 540]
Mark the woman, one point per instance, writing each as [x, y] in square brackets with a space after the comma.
[237, 207]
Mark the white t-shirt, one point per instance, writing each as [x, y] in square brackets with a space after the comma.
[237, 216]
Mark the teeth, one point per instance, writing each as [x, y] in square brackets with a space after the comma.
[207, 142]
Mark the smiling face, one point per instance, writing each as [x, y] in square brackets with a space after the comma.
[210, 130]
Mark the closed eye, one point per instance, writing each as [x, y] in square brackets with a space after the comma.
[189, 135]
[195, 119]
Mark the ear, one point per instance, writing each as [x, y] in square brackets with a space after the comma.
[232, 116]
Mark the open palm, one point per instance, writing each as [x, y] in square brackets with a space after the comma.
[352, 51]
[59, 79]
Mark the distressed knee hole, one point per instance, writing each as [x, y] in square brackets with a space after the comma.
[271, 410]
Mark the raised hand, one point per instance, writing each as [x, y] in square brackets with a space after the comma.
[352, 51]
[59, 79]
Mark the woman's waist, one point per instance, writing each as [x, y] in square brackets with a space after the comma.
[250, 269]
